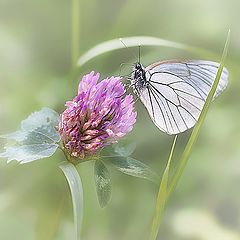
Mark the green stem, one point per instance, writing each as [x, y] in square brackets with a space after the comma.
[75, 32]
[165, 190]
[162, 197]
[196, 130]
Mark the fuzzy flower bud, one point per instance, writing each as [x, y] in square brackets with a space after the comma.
[98, 116]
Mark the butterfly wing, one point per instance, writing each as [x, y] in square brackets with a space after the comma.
[177, 91]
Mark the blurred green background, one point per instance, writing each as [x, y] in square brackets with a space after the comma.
[36, 71]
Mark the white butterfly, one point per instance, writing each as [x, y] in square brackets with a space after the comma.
[174, 92]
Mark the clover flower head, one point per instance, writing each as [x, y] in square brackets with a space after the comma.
[98, 116]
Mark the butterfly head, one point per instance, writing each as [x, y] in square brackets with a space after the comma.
[138, 77]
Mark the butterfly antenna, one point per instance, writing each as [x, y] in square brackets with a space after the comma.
[123, 43]
[139, 53]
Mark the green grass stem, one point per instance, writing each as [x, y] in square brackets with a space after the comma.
[165, 191]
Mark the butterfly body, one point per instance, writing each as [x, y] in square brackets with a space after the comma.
[138, 78]
[174, 92]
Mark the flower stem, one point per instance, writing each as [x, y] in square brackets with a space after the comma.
[162, 196]
[196, 130]
[166, 189]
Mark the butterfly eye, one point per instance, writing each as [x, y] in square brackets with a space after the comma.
[138, 66]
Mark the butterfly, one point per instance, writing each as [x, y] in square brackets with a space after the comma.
[174, 92]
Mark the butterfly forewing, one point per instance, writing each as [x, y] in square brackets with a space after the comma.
[177, 90]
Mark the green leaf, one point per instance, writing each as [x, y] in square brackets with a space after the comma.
[43, 134]
[44, 117]
[29, 153]
[17, 136]
[103, 183]
[36, 139]
[196, 130]
[76, 189]
[162, 196]
[125, 150]
[133, 167]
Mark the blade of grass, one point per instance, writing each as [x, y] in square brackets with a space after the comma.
[188, 149]
[165, 191]
[76, 189]
[115, 44]
[162, 197]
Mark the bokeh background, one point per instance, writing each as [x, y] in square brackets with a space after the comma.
[36, 71]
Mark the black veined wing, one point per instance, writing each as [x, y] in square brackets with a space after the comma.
[176, 92]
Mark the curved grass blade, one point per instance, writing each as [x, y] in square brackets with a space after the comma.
[135, 41]
[162, 196]
[196, 130]
[76, 189]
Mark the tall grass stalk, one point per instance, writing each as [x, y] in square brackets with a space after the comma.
[162, 196]
[165, 190]
[195, 133]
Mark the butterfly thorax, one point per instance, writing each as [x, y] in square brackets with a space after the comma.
[138, 77]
